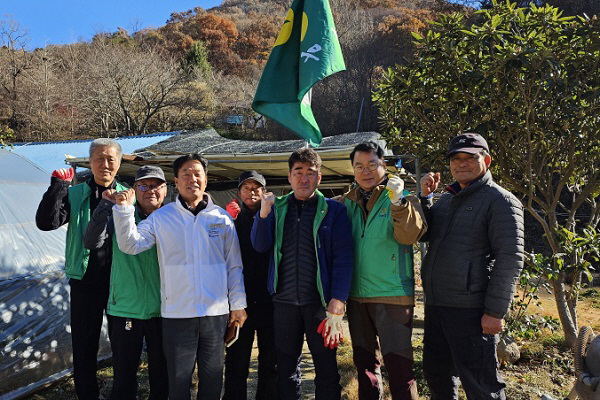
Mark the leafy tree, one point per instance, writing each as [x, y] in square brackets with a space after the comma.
[528, 79]
[195, 62]
[569, 7]
[5, 133]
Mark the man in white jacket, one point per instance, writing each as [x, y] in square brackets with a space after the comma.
[202, 285]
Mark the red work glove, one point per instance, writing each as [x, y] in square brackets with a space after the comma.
[65, 174]
[331, 330]
[233, 208]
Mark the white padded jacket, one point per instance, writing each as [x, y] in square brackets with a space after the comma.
[199, 257]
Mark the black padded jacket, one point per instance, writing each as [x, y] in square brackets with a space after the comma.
[475, 250]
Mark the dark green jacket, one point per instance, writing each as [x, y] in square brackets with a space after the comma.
[79, 215]
[134, 279]
[383, 267]
[134, 283]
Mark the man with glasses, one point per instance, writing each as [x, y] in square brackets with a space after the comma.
[202, 285]
[251, 187]
[134, 299]
[469, 273]
[384, 227]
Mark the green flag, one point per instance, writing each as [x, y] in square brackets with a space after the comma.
[306, 50]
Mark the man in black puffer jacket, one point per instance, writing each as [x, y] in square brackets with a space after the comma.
[469, 272]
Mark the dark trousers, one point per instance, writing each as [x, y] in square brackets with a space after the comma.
[127, 341]
[237, 359]
[190, 340]
[88, 304]
[392, 324]
[291, 324]
[455, 347]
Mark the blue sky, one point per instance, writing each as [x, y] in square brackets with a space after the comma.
[68, 21]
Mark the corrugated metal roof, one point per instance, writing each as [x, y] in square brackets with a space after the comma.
[51, 155]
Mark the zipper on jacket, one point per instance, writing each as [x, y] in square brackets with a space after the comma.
[298, 254]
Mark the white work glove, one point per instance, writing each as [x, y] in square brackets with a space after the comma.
[331, 330]
[395, 187]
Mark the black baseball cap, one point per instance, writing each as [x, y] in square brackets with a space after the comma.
[471, 143]
[150, 171]
[255, 176]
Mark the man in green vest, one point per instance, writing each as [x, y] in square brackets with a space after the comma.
[384, 227]
[134, 299]
[88, 270]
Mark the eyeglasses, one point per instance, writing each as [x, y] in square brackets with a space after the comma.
[359, 168]
[145, 188]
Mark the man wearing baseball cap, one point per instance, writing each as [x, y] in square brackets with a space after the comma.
[469, 273]
[134, 298]
[260, 306]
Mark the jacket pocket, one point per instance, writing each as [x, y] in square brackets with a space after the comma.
[478, 277]
[179, 282]
[455, 276]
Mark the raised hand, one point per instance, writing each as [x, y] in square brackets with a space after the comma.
[65, 174]
[395, 188]
[266, 201]
[109, 194]
[233, 208]
[125, 197]
[429, 183]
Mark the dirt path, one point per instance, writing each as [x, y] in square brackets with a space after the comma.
[307, 368]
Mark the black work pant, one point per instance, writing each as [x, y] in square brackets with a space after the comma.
[88, 304]
[127, 341]
[195, 340]
[455, 347]
[237, 359]
[291, 324]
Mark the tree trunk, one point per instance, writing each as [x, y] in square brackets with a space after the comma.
[564, 312]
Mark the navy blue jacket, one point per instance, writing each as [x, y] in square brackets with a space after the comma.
[333, 244]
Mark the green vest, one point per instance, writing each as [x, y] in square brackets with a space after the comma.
[382, 266]
[77, 256]
[134, 283]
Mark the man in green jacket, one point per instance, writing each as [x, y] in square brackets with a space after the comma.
[134, 299]
[88, 271]
[384, 227]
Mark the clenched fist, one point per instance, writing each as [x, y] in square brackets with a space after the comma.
[125, 197]
[64, 174]
[395, 188]
[109, 194]
[266, 201]
[429, 183]
[233, 208]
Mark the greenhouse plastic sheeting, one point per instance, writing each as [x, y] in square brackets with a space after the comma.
[35, 339]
